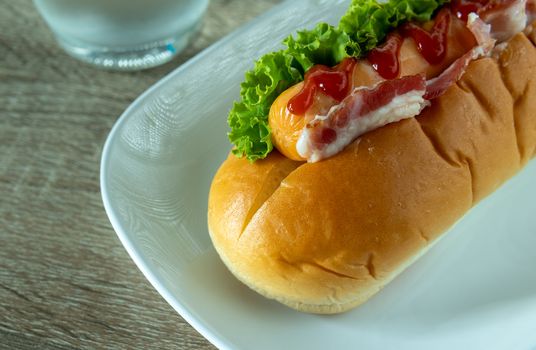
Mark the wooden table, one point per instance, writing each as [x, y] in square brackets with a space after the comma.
[65, 280]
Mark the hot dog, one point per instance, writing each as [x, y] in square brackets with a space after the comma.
[322, 231]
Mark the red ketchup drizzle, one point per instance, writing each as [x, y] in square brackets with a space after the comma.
[334, 82]
[432, 45]
[384, 58]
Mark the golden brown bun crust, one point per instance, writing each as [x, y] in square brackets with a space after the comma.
[324, 237]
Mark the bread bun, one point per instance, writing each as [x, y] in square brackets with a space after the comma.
[325, 237]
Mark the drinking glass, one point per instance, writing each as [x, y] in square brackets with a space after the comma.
[123, 34]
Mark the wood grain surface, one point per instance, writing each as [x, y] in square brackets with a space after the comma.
[65, 280]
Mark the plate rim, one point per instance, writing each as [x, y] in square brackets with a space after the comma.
[188, 315]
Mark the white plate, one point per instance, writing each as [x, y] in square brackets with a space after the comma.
[476, 289]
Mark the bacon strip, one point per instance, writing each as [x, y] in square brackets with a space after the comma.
[387, 102]
[506, 17]
[363, 110]
[437, 86]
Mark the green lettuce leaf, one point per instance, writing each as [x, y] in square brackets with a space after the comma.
[273, 73]
[363, 27]
[368, 22]
[324, 44]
